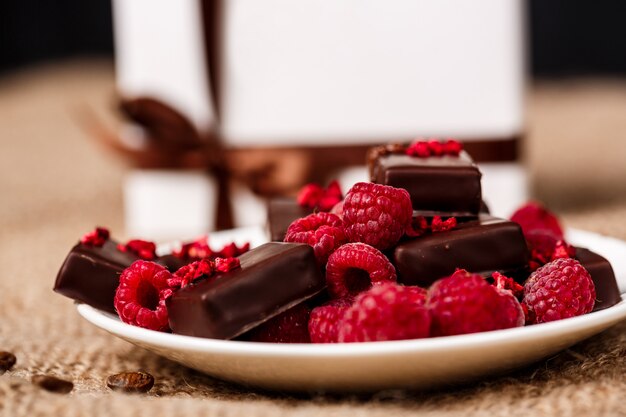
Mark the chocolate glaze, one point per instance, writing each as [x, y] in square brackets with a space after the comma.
[486, 244]
[273, 278]
[91, 274]
[280, 213]
[441, 183]
[607, 292]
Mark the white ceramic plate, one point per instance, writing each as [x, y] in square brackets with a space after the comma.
[424, 363]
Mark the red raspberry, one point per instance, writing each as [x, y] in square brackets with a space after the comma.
[357, 266]
[534, 216]
[560, 289]
[96, 237]
[323, 324]
[144, 249]
[140, 297]
[386, 312]
[314, 196]
[465, 303]
[288, 327]
[376, 214]
[322, 231]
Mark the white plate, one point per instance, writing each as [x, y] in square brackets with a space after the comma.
[424, 363]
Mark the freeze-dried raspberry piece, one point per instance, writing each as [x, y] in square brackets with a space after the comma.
[386, 312]
[324, 320]
[146, 250]
[226, 264]
[231, 250]
[376, 214]
[505, 283]
[438, 225]
[465, 303]
[434, 147]
[322, 231]
[544, 247]
[419, 149]
[453, 147]
[191, 272]
[417, 227]
[560, 289]
[288, 327]
[355, 267]
[140, 296]
[96, 237]
[314, 196]
[533, 216]
[197, 249]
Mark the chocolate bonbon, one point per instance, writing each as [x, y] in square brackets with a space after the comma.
[486, 244]
[446, 184]
[90, 274]
[272, 278]
[607, 292]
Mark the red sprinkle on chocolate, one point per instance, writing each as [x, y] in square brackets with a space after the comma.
[226, 264]
[189, 273]
[314, 196]
[146, 250]
[434, 147]
[438, 225]
[96, 237]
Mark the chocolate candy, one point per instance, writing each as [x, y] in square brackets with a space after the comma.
[446, 184]
[483, 245]
[273, 278]
[281, 212]
[90, 274]
[607, 292]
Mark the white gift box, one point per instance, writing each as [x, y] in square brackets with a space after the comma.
[290, 73]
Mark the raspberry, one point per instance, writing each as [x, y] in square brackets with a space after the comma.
[357, 266]
[505, 283]
[386, 312]
[534, 216]
[465, 303]
[314, 196]
[323, 323]
[376, 214]
[96, 237]
[140, 296]
[144, 249]
[288, 327]
[560, 289]
[322, 231]
[544, 247]
[338, 209]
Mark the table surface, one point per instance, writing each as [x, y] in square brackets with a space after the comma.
[56, 183]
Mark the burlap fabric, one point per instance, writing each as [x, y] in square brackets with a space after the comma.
[55, 184]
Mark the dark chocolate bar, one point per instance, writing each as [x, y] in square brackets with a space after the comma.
[172, 262]
[90, 274]
[607, 292]
[281, 212]
[446, 184]
[486, 244]
[273, 278]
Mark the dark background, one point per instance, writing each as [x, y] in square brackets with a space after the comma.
[567, 37]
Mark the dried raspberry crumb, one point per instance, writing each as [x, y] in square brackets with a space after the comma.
[314, 196]
[453, 147]
[376, 214]
[560, 289]
[438, 225]
[544, 247]
[197, 249]
[533, 216]
[419, 149]
[140, 296]
[322, 231]
[505, 283]
[417, 227]
[96, 237]
[144, 249]
[386, 312]
[355, 267]
[190, 273]
[288, 327]
[465, 303]
[231, 250]
[226, 264]
[434, 147]
[324, 320]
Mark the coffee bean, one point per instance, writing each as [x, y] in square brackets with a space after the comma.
[53, 384]
[131, 382]
[7, 360]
